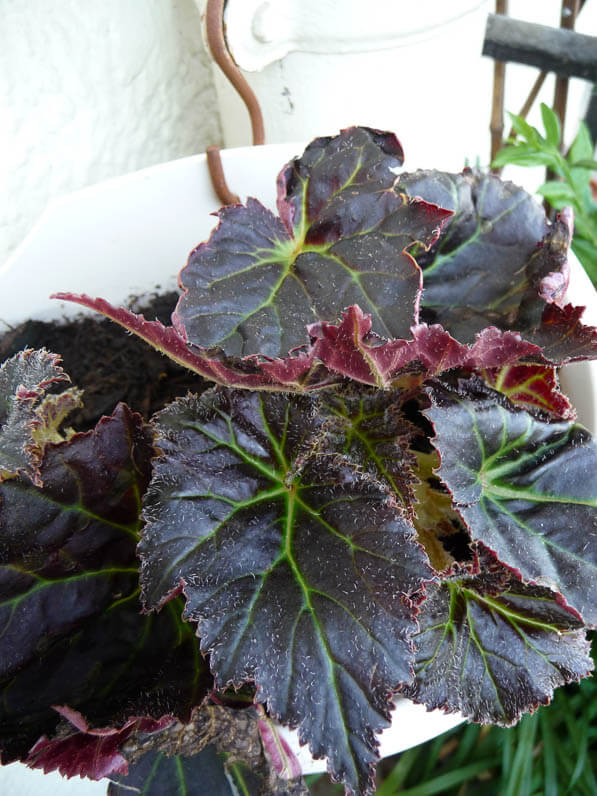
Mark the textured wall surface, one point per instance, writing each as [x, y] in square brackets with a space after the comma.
[91, 89]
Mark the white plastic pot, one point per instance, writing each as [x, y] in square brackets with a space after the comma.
[130, 235]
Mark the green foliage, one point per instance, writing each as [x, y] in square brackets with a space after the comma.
[573, 186]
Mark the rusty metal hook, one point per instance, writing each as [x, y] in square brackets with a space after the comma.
[216, 39]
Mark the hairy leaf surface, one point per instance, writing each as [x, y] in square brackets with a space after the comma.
[531, 387]
[340, 240]
[525, 488]
[28, 417]
[71, 628]
[495, 648]
[374, 433]
[299, 569]
[497, 262]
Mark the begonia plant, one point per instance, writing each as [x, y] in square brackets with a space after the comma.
[384, 492]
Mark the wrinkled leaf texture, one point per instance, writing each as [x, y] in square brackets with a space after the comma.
[497, 262]
[300, 570]
[330, 289]
[495, 648]
[72, 631]
[340, 240]
[525, 488]
[27, 414]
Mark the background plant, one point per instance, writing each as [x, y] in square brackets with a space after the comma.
[573, 169]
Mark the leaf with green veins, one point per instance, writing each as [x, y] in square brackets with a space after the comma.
[558, 193]
[525, 488]
[532, 387]
[372, 431]
[300, 570]
[582, 147]
[223, 750]
[497, 262]
[525, 155]
[494, 648]
[341, 239]
[71, 628]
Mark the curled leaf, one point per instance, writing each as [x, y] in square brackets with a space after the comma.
[494, 648]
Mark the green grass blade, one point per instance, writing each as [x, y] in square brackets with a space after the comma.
[518, 777]
[398, 775]
[548, 754]
[448, 780]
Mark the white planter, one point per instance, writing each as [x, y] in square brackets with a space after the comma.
[317, 66]
[133, 233]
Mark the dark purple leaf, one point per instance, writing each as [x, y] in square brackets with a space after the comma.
[372, 431]
[156, 774]
[219, 751]
[497, 262]
[525, 488]
[494, 648]
[71, 628]
[342, 237]
[563, 337]
[89, 752]
[299, 569]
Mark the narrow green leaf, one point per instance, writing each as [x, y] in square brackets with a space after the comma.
[587, 254]
[399, 774]
[582, 147]
[446, 781]
[558, 193]
[518, 779]
[548, 754]
[524, 155]
[524, 129]
[551, 123]
[587, 163]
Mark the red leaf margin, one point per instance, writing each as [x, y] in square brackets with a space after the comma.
[90, 752]
[347, 350]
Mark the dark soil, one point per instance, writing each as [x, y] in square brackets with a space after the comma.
[107, 363]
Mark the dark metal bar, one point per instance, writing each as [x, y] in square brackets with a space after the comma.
[558, 50]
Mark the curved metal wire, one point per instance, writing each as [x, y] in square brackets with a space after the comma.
[214, 25]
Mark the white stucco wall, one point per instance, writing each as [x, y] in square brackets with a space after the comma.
[90, 89]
